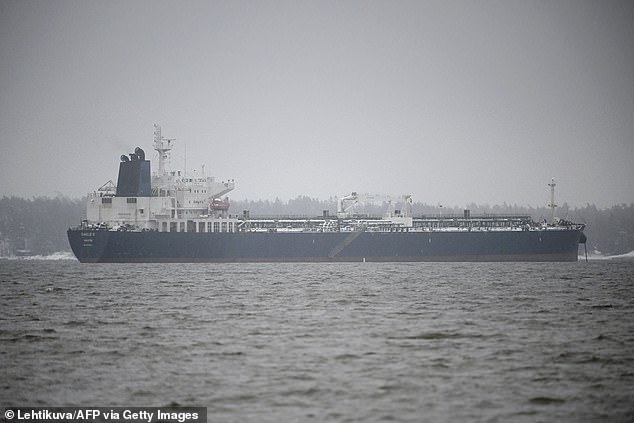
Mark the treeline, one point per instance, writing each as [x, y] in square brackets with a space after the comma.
[40, 224]
[609, 231]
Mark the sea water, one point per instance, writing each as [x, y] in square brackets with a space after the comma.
[323, 342]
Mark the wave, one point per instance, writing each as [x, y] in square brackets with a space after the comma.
[599, 256]
[60, 255]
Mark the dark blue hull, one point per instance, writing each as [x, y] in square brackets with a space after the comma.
[103, 246]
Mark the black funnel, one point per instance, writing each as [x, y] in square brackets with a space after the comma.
[134, 177]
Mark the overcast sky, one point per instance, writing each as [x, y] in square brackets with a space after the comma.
[451, 101]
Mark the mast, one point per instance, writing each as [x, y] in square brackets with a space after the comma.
[163, 147]
[552, 204]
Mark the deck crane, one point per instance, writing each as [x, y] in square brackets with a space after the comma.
[349, 203]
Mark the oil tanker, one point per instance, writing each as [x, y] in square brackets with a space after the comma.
[169, 216]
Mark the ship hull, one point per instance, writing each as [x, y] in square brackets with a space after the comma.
[104, 246]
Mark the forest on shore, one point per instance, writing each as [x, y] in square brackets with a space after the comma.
[39, 224]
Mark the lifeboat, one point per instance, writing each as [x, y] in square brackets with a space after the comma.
[219, 204]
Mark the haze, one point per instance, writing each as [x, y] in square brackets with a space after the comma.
[451, 101]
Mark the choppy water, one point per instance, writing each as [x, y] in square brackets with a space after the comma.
[324, 342]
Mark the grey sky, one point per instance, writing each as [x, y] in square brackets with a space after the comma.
[450, 101]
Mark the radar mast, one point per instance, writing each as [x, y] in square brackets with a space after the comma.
[163, 146]
[552, 204]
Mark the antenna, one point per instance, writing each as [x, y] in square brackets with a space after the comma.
[552, 204]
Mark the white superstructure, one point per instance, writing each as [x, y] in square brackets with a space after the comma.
[178, 202]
